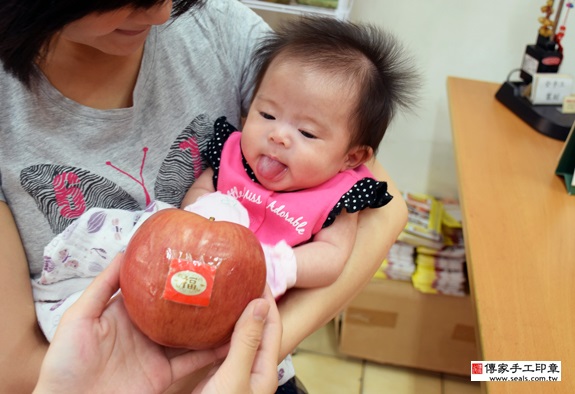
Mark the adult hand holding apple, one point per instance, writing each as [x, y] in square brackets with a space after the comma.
[187, 279]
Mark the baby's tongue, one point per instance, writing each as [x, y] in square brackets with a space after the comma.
[270, 168]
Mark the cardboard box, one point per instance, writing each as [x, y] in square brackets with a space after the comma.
[390, 322]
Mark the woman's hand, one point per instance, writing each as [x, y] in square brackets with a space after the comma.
[97, 349]
[251, 364]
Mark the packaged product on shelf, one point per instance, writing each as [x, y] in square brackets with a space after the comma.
[430, 251]
[443, 270]
[440, 275]
[424, 219]
[399, 264]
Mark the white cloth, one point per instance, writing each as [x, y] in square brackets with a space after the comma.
[77, 255]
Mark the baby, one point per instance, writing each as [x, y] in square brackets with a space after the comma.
[325, 93]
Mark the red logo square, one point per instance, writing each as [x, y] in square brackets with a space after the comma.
[476, 368]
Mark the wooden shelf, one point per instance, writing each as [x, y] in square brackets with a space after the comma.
[341, 12]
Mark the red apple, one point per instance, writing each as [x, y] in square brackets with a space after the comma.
[186, 279]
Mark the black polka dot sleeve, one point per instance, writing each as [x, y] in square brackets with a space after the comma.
[366, 193]
[213, 153]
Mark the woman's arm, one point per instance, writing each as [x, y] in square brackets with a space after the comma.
[22, 344]
[305, 310]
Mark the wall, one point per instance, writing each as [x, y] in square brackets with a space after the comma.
[482, 39]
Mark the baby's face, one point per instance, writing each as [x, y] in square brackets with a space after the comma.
[296, 135]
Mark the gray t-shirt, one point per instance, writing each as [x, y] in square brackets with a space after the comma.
[59, 158]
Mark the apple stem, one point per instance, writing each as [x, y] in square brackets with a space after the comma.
[211, 219]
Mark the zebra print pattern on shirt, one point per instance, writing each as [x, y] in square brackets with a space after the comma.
[62, 193]
[183, 164]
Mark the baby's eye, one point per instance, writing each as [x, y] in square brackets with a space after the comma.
[266, 116]
[307, 135]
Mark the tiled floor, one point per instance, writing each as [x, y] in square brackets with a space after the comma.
[324, 371]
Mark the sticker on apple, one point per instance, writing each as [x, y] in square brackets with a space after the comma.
[190, 282]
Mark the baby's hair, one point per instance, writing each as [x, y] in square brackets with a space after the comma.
[28, 26]
[368, 58]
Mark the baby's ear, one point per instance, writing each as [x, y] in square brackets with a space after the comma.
[357, 156]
